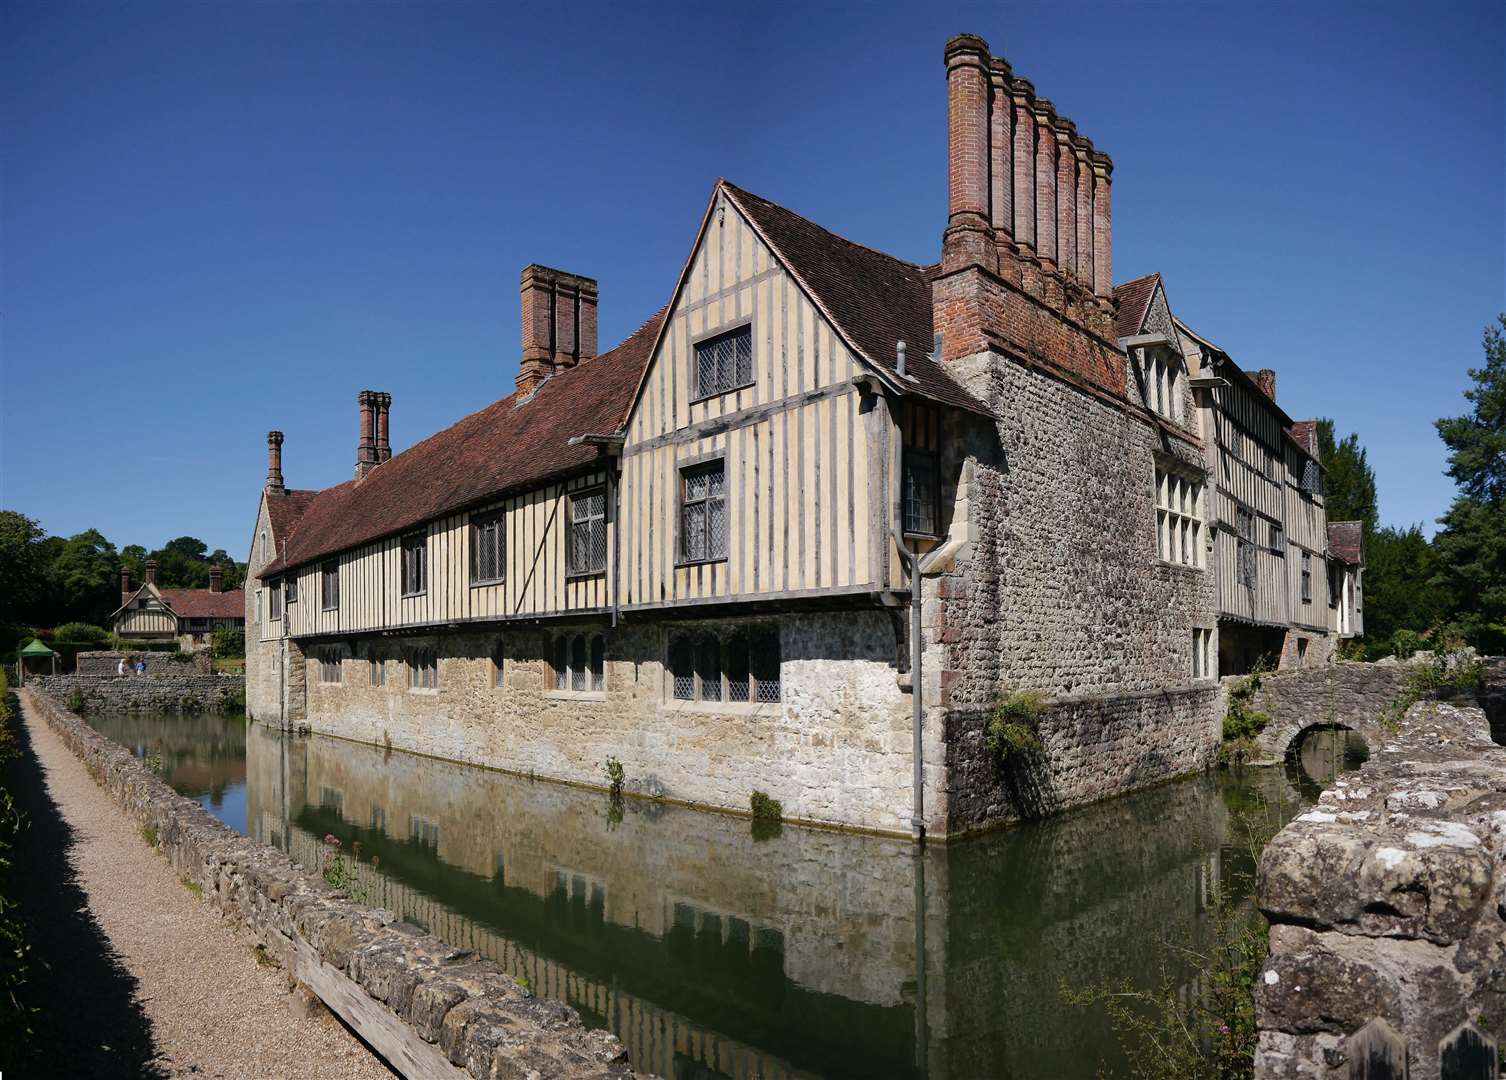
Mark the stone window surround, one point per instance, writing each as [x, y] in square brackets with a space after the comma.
[563, 643]
[723, 633]
[1171, 466]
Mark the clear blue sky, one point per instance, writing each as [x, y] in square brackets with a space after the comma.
[223, 218]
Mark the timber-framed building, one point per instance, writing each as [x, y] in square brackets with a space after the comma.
[693, 552]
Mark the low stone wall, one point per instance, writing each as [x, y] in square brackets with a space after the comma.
[1094, 748]
[1387, 904]
[131, 693]
[430, 1009]
[107, 663]
[1353, 695]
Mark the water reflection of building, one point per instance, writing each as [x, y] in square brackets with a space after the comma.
[202, 755]
[712, 954]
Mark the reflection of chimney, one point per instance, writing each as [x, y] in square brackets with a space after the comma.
[125, 580]
[274, 464]
[216, 578]
[151, 571]
[559, 323]
[383, 407]
[1265, 378]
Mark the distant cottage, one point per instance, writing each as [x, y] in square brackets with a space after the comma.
[698, 552]
[188, 616]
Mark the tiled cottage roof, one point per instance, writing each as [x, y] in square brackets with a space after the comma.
[196, 603]
[287, 510]
[1133, 299]
[511, 443]
[873, 299]
[1346, 540]
[1305, 434]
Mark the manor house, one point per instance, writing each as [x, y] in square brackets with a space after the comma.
[815, 517]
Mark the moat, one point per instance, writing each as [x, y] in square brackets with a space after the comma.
[715, 952]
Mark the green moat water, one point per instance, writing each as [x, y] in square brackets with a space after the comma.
[713, 953]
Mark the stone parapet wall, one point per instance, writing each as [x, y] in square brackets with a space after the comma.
[430, 1009]
[1093, 748]
[131, 693]
[106, 663]
[1387, 902]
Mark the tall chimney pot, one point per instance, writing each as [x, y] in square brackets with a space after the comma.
[125, 579]
[274, 464]
[559, 323]
[216, 578]
[151, 571]
[383, 410]
[1265, 378]
[366, 457]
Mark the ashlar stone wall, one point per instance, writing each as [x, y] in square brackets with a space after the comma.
[835, 750]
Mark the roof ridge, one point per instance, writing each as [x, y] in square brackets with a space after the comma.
[817, 225]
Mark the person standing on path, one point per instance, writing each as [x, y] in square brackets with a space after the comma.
[120, 668]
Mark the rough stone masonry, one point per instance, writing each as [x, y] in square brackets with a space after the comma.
[1387, 901]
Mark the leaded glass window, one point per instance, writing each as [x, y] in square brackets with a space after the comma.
[1244, 529]
[487, 547]
[921, 492]
[588, 532]
[329, 580]
[681, 668]
[703, 513]
[724, 362]
[415, 556]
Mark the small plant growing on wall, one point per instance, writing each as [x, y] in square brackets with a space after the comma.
[768, 816]
[1014, 727]
[615, 777]
[76, 701]
[1242, 721]
[339, 873]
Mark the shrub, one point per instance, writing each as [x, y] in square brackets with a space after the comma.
[765, 808]
[227, 641]
[615, 776]
[76, 702]
[1013, 730]
[83, 632]
[1405, 643]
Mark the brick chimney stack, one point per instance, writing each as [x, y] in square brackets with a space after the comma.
[1265, 378]
[125, 579]
[1103, 246]
[559, 323]
[366, 434]
[969, 236]
[216, 578]
[383, 406]
[274, 464]
[151, 571]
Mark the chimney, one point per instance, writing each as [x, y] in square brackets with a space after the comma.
[274, 464]
[1022, 97]
[1083, 149]
[151, 571]
[559, 323]
[1103, 269]
[969, 238]
[383, 406]
[1001, 157]
[366, 455]
[125, 579]
[216, 578]
[1066, 195]
[1265, 378]
[1045, 183]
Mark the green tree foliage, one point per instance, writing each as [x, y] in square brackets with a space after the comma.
[1471, 546]
[1348, 481]
[86, 578]
[23, 578]
[1399, 589]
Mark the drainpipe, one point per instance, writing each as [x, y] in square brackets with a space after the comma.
[917, 564]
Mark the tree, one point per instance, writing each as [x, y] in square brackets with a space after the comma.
[1471, 546]
[1349, 481]
[23, 577]
[1399, 590]
[234, 572]
[85, 576]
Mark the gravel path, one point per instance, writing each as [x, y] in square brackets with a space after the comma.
[213, 1010]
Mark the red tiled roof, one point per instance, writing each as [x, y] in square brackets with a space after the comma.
[1346, 539]
[198, 603]
[1305, 434]
[509, 444]
[287, 510]
[874, 299]
[1133, 299]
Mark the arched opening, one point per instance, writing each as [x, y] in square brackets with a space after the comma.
[1319, 753]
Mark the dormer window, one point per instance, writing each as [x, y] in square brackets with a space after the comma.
[724, 363]
[1161, 376]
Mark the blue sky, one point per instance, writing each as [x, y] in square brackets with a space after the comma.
[217, 219]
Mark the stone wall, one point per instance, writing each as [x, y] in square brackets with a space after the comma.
[429, 1007]
[835, 750]
[1387, 901]
[107, 662]
[1353, 695]
[131, 693]
[1060, 588]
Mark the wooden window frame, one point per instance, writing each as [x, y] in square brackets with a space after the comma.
[1247, 564]
[1307, 577]
[416, 544]
[275, 604]
[572, 571]
[290, 589]
[908, 459]
[708, 340]
[479, 524]
[703, 466]
[329, 585]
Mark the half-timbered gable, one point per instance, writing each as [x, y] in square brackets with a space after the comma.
[189, 616]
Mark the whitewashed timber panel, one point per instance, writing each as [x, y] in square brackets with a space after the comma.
[152, 620]
[799, 512]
